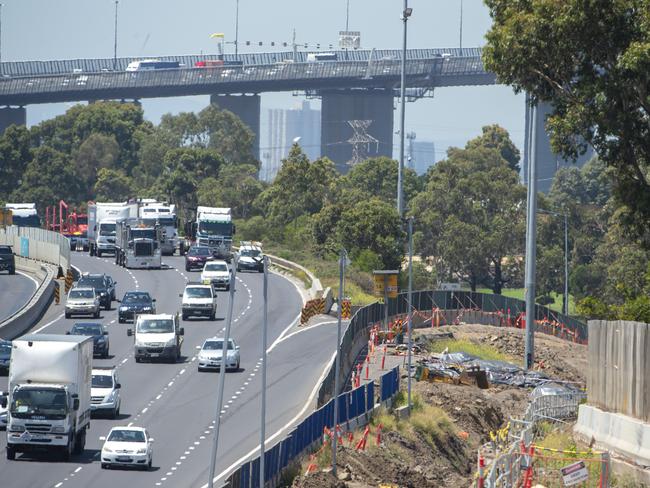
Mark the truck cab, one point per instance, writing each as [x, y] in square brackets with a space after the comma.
[158, 336]
[214, 228]
[137, 244]
[164, 215]
[49, 394]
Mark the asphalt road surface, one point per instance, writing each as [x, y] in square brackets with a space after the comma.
[15, 291]
[176, 402]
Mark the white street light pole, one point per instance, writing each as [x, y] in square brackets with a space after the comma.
[400, 170]
[115, 39]
[342, 261]
[237, 30]
[410, 306]
[264, 340]
[531, 242]
[222, 376]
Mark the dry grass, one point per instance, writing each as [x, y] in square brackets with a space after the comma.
[482, 351]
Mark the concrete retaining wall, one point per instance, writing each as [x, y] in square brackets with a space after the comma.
[38, 244]
[619, 368]
[624, 435]
[21, 321]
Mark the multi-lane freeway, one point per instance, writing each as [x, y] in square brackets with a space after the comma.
[175, 402]
[15, 292]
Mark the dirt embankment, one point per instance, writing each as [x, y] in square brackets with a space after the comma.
[437, 446]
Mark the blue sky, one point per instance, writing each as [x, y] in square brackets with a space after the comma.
[47, 29]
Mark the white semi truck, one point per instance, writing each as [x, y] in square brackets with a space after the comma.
[165, 215]
[49, 394]
[102, 220]
[214, 228]
[137, 244]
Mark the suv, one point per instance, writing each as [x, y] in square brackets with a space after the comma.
[105, 391]
[7, 259]
[216, 273]
[250, 257]
[199, 299]
[104, 287]
[196, 257]
[82, 301]
[97, 332]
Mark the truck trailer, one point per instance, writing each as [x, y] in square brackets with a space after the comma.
[102, 220]
[49, 394]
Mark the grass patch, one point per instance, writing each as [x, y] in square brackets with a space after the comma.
[519, 293]
[433, 424]
[482, 351]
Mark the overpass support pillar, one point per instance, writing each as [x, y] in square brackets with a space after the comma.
[356, 125]
[12, 115]
[247, 108]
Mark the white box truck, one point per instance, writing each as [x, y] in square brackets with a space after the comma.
[102, 219]
[50, 378]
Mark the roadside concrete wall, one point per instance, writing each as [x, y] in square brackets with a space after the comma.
[38, 244]
[315, 288]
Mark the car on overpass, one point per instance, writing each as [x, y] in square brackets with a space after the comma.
[7, 260]
[134, 303]
[128, 447]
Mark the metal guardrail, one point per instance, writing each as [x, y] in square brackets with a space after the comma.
[429, 72]
[89, 65]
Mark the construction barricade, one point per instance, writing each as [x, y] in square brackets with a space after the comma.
[311, 308]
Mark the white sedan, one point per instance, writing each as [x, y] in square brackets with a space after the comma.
[212, 351]
[217, 273]
[127, 446]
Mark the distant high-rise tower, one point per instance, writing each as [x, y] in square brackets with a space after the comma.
[283, 127]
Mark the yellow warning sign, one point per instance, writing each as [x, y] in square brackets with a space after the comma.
[386, 283]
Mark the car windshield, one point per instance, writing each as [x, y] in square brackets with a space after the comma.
[213, 228]
[102, 381]
[158, 326]
[216, 267]
[199, 251]
[82, 294]
[87, 329]
[253, 253]
[143, 234]
[167, 221]
[217, 345]
[93, 282]
[29, 401]
[198, 292]
[107, 230]
[136, 298]
[5, 347]
[126, 436]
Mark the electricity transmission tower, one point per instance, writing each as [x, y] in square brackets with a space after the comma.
[361, 141]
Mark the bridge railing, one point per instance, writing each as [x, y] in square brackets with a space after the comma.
[68, 66]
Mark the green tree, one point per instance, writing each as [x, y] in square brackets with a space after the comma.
[236, 187]
[112, 185]
[590, 60]
[300, 187]
[96, 152]
[372, 225]
[496, 137]
[15, 155]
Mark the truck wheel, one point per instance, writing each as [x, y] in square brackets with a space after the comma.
[11, 454]
[99, 253]
[117, 259]
[96, 314]
[80, 442]
[138, 359]
[116, 412]
[184, 316]
[67, 315]
[12, 271]
[213, 315]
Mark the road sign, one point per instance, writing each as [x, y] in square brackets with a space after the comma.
[386, 283]
[574, 473]
[449, 286]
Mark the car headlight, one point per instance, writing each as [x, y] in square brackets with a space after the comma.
[102, 293]
[58, 430]
[124, 309]
[171, 341]
[142, 450]
[111, 396]
[106, 449]
[146, 309]
[101, 339]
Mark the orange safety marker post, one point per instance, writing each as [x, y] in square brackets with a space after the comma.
[379, 434]
[367, 368]
[383, 359]
[339, 435]
[353, 380]
[481, 472]
[350, 439]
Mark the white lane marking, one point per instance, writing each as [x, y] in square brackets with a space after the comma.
[48, 324]
[80, 468]
[126, 359]
[58, 484]
[284, 332]
[183, 370]
[130, 424]
[158, 397]
[329, 322]
[307, 404]
[29, 277]
[144, 410]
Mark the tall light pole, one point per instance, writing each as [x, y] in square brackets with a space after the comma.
[115, 39]
[222, 377]
[400, 170]
[264, 340]
[343, 257]
[461, 25]
[1, 5]
[410, 305]
[565, 304]
[531, 241]
[237, 29]
[347, 17]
